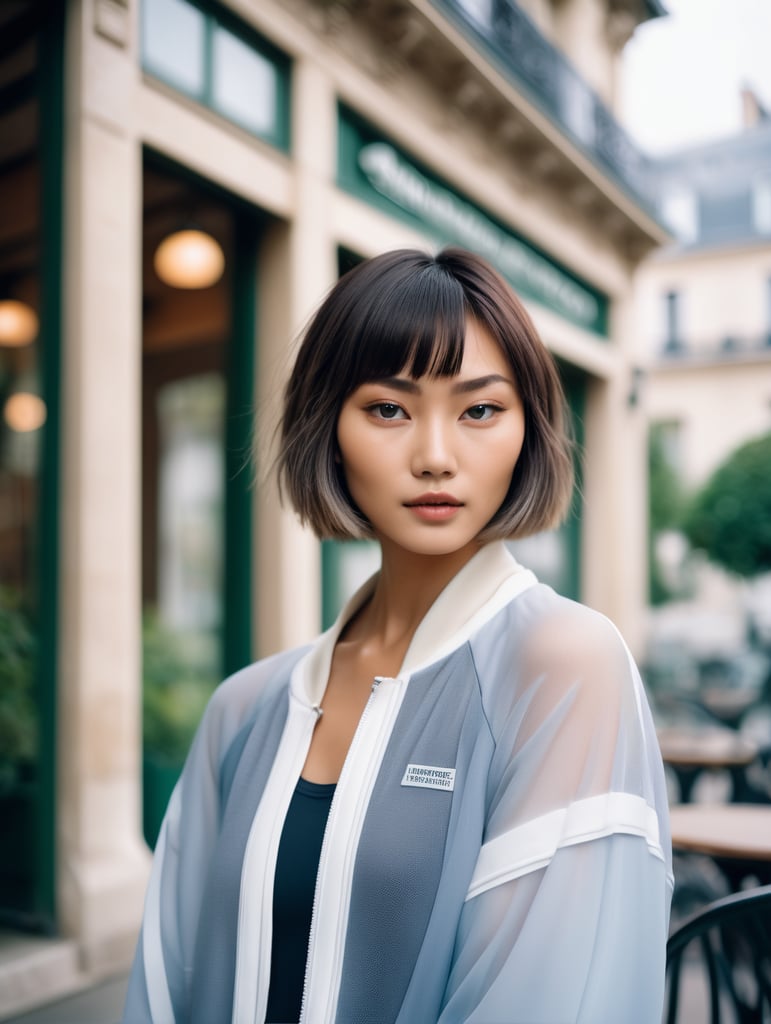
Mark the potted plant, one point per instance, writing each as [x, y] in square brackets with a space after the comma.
[18, 748]
[177, 682]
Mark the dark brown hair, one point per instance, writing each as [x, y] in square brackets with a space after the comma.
[405, 312]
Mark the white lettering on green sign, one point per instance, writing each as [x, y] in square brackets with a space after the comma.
[404, 185]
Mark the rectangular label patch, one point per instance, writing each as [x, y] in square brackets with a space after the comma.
[427, 777]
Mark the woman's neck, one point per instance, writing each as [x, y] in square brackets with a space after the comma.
[407, 586]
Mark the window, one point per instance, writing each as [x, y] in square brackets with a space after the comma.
[31, 206]
[191, 478]
[198, 349]
[244, 85]
[672, 325]
[219, 62]
[173, 43]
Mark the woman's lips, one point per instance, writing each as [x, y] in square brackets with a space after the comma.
[434, 498]
[435, 508]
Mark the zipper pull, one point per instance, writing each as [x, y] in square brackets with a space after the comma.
[318, 710]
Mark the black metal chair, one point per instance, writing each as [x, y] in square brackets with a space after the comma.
[731, 940]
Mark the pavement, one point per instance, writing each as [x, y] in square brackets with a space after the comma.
[103, 1003]
[100, 1004]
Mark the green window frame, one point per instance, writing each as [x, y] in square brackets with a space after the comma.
[217, 27]
[239, 375]
[28, 795]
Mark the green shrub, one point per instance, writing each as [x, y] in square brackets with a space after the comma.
[178, 679]
[18, 659]
[666, 503]
[730, 517]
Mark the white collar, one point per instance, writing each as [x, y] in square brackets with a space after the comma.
[485, 584]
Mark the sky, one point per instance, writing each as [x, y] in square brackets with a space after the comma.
[682, 74]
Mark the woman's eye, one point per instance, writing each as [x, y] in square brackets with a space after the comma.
[387, 411]
[480, 412]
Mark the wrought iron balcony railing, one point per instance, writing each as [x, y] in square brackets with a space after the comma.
[514, 43]
[731, 347]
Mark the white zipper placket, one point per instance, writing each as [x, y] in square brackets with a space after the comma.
[362, 764]
[255, 930]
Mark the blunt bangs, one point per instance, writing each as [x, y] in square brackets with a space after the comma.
[406, 312]
[411, 319]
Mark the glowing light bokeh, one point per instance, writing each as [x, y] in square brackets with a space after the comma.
[24, 412]
[189, 259]
[18, 323]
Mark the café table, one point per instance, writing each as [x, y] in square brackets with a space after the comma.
[736, 836]
[689, 751]
[729, 705]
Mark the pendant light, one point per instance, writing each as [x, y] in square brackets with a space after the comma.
[24, 412]
[18, 323]
[189, 258]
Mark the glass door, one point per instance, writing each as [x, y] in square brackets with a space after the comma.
[30, 301]
[199, 271]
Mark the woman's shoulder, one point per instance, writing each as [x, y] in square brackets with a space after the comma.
[559, 629]
[542, 623]
[241, 694]
[542, 637]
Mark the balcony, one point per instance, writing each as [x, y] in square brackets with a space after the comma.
[495, 77]
[731, 348]
[514, 44]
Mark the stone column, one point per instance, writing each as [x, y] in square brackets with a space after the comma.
[101, 857]
[298, 264]
[614, 577]
[632, 462]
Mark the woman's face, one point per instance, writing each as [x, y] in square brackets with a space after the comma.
[429, 460]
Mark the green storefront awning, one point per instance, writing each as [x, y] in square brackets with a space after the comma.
[381, 174]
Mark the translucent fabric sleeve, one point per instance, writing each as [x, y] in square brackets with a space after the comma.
[567, 913]
[160, 979]
[158, 984]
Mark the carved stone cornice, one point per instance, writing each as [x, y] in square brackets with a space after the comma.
[413, 47]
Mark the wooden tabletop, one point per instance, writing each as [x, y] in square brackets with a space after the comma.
[739, 831]
[705, 747]
[728, 704]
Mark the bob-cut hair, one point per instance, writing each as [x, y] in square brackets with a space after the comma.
[405, 312]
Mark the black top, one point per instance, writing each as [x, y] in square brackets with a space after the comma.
[293, 890]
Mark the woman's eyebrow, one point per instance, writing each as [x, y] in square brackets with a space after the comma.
[398, 384]
[464, 386]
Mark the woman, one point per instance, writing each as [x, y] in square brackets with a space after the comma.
[450, 807]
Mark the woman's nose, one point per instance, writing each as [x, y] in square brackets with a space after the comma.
[433, 452]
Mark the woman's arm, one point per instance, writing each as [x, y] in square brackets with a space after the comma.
[161, 978]
[159, 981]
[581, 940]
[567, 914]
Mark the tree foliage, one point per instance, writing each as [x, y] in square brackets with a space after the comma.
[177, 684]
[666, 505]
[730, 517]
[664, 488]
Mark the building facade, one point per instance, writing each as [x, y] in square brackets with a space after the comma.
[290, 139]
[704, 309]
[705, 301]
